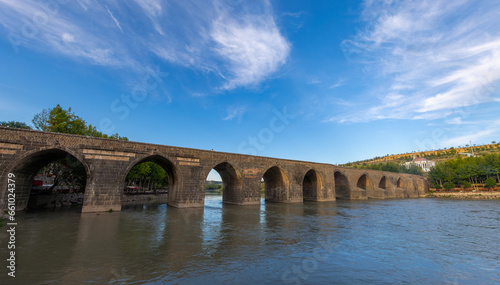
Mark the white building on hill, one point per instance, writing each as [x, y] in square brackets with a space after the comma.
[421, 162]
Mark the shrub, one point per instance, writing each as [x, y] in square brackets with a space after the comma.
[448, 185]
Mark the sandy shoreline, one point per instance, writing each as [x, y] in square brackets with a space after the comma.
[465, 195]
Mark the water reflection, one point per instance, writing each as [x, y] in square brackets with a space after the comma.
[392, 241]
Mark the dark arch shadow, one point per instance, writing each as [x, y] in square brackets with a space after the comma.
[342, 190]
[311, 185]
[276, 185]
[399, 183]
[384, 183]
[365, 183]
[29, 165]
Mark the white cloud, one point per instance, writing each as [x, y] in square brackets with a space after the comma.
[152, 7]
[476, 136]
[236, 43]
[437, 56]
[114, 19]
[252, 47]
[235, 112]
[68, 38]
[339, 83]
[55, 30]
[313, 81]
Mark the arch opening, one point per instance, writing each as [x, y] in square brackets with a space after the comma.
[399, 183]
[227, 181]
[383, 183]
[341, 186]
[275, 185]
[150, 179]
[50, 179]
[311, 185]
[364, 183]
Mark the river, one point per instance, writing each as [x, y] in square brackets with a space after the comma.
[415, 241]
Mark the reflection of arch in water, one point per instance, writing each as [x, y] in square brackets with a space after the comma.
[342, 190]
[311, 185]
[28, 166]
[276, 185]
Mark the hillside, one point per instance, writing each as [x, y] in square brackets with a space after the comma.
[436, 155]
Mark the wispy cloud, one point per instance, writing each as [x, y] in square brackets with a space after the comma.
[492, 128]
[429, 56]
[114, 19]
[313, 81]
[236, 43]
[339, 83]
[235, 112]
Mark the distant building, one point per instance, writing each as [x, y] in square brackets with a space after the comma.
[421, 162]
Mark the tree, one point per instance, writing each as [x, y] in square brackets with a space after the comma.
[15, 124]
[490, 183]
[59, 120]
[147, 175]
[448, 186]
[68, 172]
[466, 184]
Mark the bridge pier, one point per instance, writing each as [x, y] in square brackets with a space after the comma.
[187, 190]
[377, 193]
[104, 188]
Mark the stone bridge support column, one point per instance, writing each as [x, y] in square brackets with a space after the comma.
[356, 193]
[103, 190]
[377, 193]
[188, 190]
[327, 190]
[251, 188]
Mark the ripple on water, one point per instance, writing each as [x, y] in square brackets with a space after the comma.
[396, 241]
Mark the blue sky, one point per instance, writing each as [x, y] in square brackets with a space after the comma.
[324, 81]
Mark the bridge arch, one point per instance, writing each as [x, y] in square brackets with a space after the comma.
[164, 163]
[365, 183]
[311, 185]
[27, 166]
[232, 182]
[276, 184]
[399, 183]
[342, 190]
[384, 183]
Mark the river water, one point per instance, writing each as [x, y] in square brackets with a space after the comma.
[414, 241]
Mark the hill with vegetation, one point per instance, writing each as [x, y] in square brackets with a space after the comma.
[438, 156]
[466, 168]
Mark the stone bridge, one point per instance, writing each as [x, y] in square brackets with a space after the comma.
[107, 162]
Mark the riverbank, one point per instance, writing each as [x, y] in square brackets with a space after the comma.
[483, 195]
[144, 199]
